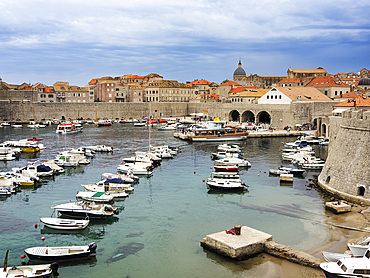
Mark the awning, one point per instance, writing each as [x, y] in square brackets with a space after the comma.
[339, 110]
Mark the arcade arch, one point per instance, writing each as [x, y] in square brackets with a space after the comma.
[234, 116]
[248, 116]
[263, 117]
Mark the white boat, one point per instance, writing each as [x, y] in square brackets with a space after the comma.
[334, 257]
[98, 197]
[127, 178]
[17, 126]
[233, 161]
[69, 128]
[222, 154]
[294, 171]
[64, 223]
[348, 267]
[100, 148]
[313, 165]
[66, 160]
[231, 148]
[226, 175]
[62, 253]
[227, 184]
[135, 168]
[56, 168]
[359, 250]
[114, 190]
[83, 209]
[18, 178]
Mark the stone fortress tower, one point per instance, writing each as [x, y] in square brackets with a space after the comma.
[346, 172]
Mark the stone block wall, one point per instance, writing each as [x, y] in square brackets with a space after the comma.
[346, 172]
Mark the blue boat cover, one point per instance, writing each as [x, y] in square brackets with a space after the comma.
[114, 180]
[43, 168]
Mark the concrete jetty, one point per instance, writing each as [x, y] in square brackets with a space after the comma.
[252, 242]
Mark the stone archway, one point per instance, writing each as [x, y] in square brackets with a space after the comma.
[248, 116]
[263, 117]
[234, 116]
[323, 130]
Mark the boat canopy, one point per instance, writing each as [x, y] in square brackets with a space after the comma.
[116, 180]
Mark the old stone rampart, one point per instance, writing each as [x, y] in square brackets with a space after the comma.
[346, 171]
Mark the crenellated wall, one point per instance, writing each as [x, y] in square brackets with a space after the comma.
[347, 169]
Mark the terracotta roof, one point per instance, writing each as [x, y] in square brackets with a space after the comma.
[93, 81]
[200, 82]
[309, 70]
[350, 95]
[230, 83]
[240, 89]
[325, 81]
[305, 93]
[355, 102]
[256, 93]
[135, 77]
[211, 96]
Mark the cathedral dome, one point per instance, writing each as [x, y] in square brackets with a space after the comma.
[240, 70]
[364, 81]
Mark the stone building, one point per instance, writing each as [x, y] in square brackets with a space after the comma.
[68, 93]
[299, 73]
[329, 86]
[262, 82]
[46, 94]
[167, 91]
[364, 84]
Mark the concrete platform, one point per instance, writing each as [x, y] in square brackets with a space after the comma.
[338, 207]
[249, 243]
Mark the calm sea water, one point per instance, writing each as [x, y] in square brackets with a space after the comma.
[161, 224]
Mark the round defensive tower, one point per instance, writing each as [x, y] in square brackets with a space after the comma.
[346, 172]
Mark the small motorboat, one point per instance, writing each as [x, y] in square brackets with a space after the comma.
[83, 209]
[127, 178]
[116, 190]
[100, 148]
[359, 250]
[294, 171]
[226, 168]
[227, 184]
[64, 224]
[233, 161]
[229, 148]
[62, 253]
[226, 175]
[29, 271]
[98, 197]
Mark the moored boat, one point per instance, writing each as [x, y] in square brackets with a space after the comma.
[69, 128]
[98, 197]
[64, 223]
[226, 168]
[62, 253]
[83, 209]
[29, 271]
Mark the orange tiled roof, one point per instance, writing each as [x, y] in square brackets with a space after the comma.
[210, 96]
[240, 89]
[93, 81]
[200, 82]
[350, 95]
[135, 77]
[355, 102]
[325, 81]
[230, 83]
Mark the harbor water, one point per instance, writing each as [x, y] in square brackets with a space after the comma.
[160, 225]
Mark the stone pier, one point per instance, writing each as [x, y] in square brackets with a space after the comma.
[252, 242]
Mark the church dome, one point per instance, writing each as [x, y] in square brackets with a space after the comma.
[364, 81]
[240, 70]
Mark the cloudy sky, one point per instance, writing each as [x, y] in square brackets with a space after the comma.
[77, 40]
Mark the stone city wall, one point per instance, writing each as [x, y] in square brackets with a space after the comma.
[281, 114]
[346, 172]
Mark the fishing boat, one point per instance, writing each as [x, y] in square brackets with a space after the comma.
[348, 267]
[83, 209]
[29, 271]
[98, 197]
[69, 128]
[62, 253]
[64, 223]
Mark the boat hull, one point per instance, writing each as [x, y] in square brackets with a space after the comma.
[65, 224]
[215, 138]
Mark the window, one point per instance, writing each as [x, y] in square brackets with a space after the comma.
[280, 97]
[267, 97]
[110, 95]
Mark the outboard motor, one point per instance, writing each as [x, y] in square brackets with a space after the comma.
[116, 212]
[92, 247]
[54, 268]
